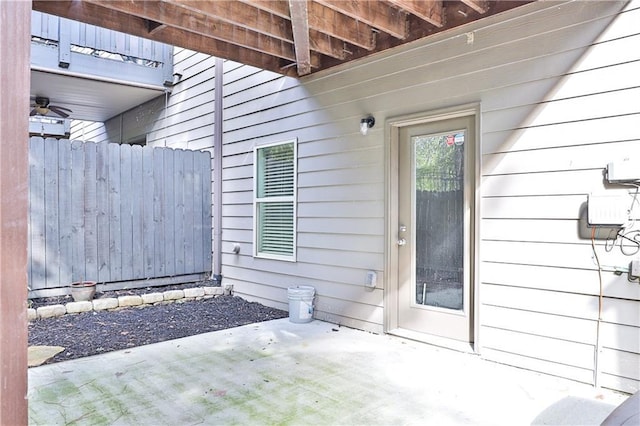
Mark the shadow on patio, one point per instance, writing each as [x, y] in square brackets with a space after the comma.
[278, 372]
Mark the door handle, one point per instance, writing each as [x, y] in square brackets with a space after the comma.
[402, 242]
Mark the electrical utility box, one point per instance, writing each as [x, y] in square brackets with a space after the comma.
[607, 210]
[623, 171]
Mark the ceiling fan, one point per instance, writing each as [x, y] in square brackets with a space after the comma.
[42, 107]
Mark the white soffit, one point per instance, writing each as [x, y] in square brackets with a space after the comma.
[89, 99]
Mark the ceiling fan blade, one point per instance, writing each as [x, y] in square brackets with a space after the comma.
[62, 108]
[58, 110]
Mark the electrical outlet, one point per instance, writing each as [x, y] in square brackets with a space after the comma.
[372, 279]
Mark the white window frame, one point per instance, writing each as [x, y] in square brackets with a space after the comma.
[257, 201]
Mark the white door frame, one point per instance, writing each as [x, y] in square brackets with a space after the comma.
[392, 139]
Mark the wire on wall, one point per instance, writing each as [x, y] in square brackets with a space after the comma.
[600, 300]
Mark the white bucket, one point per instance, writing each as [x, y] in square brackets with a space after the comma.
[301, 303]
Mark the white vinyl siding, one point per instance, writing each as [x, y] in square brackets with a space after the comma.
[275, 201]
[88, 131]
[540, 288]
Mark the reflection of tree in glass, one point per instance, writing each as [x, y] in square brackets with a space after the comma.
[439, 166]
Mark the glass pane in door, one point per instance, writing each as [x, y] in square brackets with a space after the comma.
[438, 170]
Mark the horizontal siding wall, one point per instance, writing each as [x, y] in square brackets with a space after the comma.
[340, 222]
[540, 291]
[188, 118]
[91, 131]
[558, 88]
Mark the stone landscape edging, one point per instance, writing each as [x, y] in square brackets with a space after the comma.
[127, 301]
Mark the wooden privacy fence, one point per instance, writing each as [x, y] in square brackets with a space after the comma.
[438, 245]
[116, 214]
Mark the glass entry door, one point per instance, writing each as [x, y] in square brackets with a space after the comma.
[435, 171]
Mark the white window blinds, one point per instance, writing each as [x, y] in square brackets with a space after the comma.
[275, 200]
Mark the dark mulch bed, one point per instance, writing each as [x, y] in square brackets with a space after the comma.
[92, 333]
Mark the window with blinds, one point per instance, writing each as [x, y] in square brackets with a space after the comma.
[275, 196]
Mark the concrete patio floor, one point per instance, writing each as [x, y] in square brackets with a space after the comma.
[278, 372]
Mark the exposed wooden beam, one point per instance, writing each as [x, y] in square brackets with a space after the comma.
[262, 20]
[479, 6]
[327, 45]
[429, 10]
[118, 21]
[241, 14]
[319, 42]
[277, 7]
[328, 21]
[300, 24]
[198, 23]
[375, 13]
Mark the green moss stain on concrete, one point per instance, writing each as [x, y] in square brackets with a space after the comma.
[279, 396]
[56, 397]
[256, 387]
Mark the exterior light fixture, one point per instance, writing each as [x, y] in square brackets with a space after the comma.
[176, 78]
[366, 123]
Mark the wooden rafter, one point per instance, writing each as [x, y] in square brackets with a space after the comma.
[260, 20]
[319, 42]
[277, 7]
[479, 6]
[241, 14]
[431, 11]
[374, 13]
[174, 15]
[328, 21]
[300, 25]
[326, 45]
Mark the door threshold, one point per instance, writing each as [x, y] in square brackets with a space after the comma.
[434, 340]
